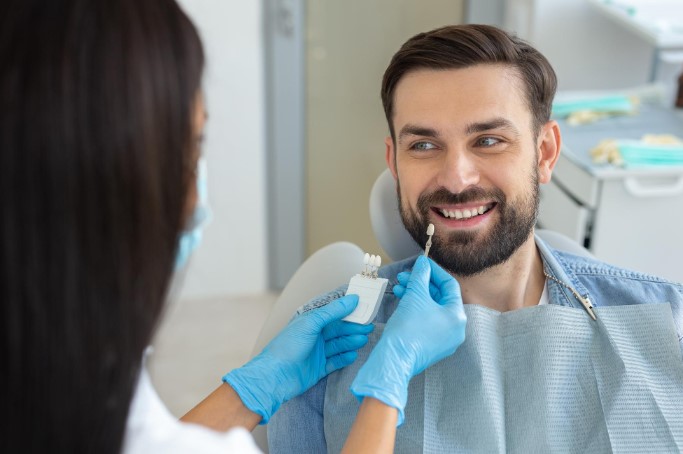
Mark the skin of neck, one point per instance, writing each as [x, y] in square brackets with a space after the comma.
[514, 284]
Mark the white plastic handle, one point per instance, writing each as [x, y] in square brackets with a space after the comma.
[635, 188]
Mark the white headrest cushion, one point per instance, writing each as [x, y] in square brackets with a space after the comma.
[386, 220]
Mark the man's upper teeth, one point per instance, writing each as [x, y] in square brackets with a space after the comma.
[465, 214]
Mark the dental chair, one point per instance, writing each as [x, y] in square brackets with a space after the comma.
[334, 264]
[328, 268]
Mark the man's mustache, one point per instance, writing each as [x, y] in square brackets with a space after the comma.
[443, 196]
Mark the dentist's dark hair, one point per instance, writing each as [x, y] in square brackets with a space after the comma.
[463, 46]
[96, 159]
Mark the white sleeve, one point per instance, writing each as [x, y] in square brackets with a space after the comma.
[152, 428]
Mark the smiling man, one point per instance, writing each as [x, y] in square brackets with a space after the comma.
[471, 139]
[468, 157]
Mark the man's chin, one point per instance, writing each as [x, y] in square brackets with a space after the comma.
[463, 257]
[467, 254]
[465, 238]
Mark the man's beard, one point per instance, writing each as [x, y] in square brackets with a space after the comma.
[466, 253]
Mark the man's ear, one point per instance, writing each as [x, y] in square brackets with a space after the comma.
[390, 156]
[549, 144]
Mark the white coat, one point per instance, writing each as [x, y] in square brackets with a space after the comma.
[152, 428]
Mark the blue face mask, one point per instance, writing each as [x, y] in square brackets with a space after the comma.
[192, 235]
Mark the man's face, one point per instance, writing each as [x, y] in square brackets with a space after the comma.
[466, 159]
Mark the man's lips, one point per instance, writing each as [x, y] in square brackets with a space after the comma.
[463, 213]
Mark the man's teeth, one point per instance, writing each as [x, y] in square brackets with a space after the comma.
[465, 214]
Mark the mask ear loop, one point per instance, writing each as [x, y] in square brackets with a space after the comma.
[202, 181]
[202, 213]
[192, 234]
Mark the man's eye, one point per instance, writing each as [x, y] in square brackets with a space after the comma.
[423, 146]
[487, 141]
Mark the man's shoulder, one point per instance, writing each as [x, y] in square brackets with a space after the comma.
[610, 281]
[591, 267]
[323, 299]
[389, 272]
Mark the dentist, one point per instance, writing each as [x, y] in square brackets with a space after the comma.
[103, 196]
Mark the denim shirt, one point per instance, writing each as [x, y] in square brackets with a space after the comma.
[299, 426]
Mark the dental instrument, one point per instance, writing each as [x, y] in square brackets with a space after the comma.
[430, 232]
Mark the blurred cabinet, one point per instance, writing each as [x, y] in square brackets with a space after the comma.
[632, 218]
[658, 22]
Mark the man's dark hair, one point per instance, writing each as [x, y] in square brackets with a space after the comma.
[462, 46]
[96, 161]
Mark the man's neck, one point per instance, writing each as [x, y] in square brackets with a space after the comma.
[515, 284]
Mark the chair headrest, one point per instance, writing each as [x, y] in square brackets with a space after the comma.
[386, 220]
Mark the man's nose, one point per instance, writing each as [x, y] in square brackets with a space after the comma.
[458, 172]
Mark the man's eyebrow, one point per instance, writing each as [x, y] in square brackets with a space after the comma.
[495, 123]
[415, 130]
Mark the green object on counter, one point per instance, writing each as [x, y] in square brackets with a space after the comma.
[605, 104]
[636, 153]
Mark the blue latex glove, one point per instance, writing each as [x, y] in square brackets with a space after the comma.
[420, 332]
[403, 279]
[310, 347]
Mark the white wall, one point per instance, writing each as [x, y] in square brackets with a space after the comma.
[587, 50]
[345, 124]
[232, 257]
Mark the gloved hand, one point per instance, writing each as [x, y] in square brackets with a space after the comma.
[310, 347]
[420, 332]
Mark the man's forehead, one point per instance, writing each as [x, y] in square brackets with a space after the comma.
[466, 95]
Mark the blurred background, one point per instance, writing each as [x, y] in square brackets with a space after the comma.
[296, 123]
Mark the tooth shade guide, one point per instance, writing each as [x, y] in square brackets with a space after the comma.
[371, 264]
[370, 290]
[430, 232]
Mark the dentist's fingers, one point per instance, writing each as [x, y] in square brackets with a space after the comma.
[447, 285]
[344, 344]
[339, 361]
[420, 275]
[319, 318]
[341, 328]
[400, 288]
